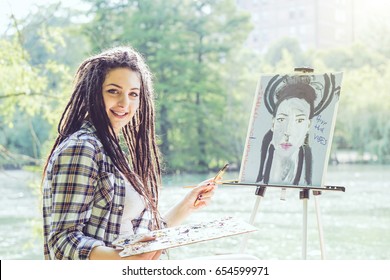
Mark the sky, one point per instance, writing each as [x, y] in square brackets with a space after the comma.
[21, 8]
[379, 9]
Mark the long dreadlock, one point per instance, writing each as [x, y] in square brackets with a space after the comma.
[143, 171]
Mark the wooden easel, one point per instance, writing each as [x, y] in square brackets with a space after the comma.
[304, 196]
[304, 193]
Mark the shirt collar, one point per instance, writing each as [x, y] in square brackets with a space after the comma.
[88, 127]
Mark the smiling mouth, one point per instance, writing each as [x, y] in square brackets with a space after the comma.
[119, 114]
[285, 146]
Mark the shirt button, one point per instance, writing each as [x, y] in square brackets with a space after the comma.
[120, 207]
[115, 235]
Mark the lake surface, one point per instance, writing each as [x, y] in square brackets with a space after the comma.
[356, 224]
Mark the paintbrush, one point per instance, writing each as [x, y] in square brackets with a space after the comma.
[215, 180]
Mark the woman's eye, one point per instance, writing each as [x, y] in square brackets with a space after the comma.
[134, 94]
[300, 120]
[112, 91]
[280, 119]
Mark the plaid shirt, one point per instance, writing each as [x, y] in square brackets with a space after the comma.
[83, 198]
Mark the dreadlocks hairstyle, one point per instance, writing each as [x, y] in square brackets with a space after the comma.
[143, 171]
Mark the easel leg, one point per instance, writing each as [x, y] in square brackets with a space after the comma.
[260, 191]
[304, 195]
[319, 223]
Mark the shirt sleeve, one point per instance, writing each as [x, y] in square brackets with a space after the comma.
[74, 179]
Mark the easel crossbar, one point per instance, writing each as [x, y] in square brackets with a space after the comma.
[314, 188]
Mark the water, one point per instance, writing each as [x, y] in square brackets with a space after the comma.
[356, 224]
[19, 216]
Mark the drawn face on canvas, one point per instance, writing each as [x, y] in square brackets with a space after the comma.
[290, 126]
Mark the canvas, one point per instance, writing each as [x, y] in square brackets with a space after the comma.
[291, 129]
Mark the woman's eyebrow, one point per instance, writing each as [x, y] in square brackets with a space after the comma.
[112, 84]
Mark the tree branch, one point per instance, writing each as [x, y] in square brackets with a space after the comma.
[11, 157]
[27, 94]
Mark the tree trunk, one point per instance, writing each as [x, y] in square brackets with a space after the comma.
[203, 165]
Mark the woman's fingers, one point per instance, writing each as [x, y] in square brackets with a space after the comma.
[207, 182]
[202, 194]
[206, 195]
[206, 188]
[154, 255]
[204, 199]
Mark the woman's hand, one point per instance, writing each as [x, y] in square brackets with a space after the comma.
[108, 253]
[154, 255]
[201, 195]
[197, 198]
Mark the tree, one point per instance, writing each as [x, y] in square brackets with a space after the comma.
[276, 52]
[362, 115]
[240, 86]
[34, 85]
[20, 83]
[186, 44]
[53, 35]
[353, 57]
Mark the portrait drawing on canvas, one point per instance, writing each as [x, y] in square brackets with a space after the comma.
[290, 130]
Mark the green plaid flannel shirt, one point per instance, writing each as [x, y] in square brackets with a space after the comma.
[83, 198]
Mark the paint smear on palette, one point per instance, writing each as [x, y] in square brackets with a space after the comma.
[182, 235]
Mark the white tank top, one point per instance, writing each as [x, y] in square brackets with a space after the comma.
[133, 208]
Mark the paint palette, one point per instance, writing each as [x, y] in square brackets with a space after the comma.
[182, 235]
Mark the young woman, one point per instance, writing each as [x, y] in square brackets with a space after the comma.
[102, 176]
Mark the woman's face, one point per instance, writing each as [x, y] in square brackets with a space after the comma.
[121, 95]
[290, 126]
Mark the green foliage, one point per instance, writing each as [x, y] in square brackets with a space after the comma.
[20, 81]
[362, 122]
[185, 44]
[353, 57]
[24, 138]
[278, 51]
[204, 79]
[33, 89]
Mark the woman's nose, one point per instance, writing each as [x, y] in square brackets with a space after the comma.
[124, 100]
